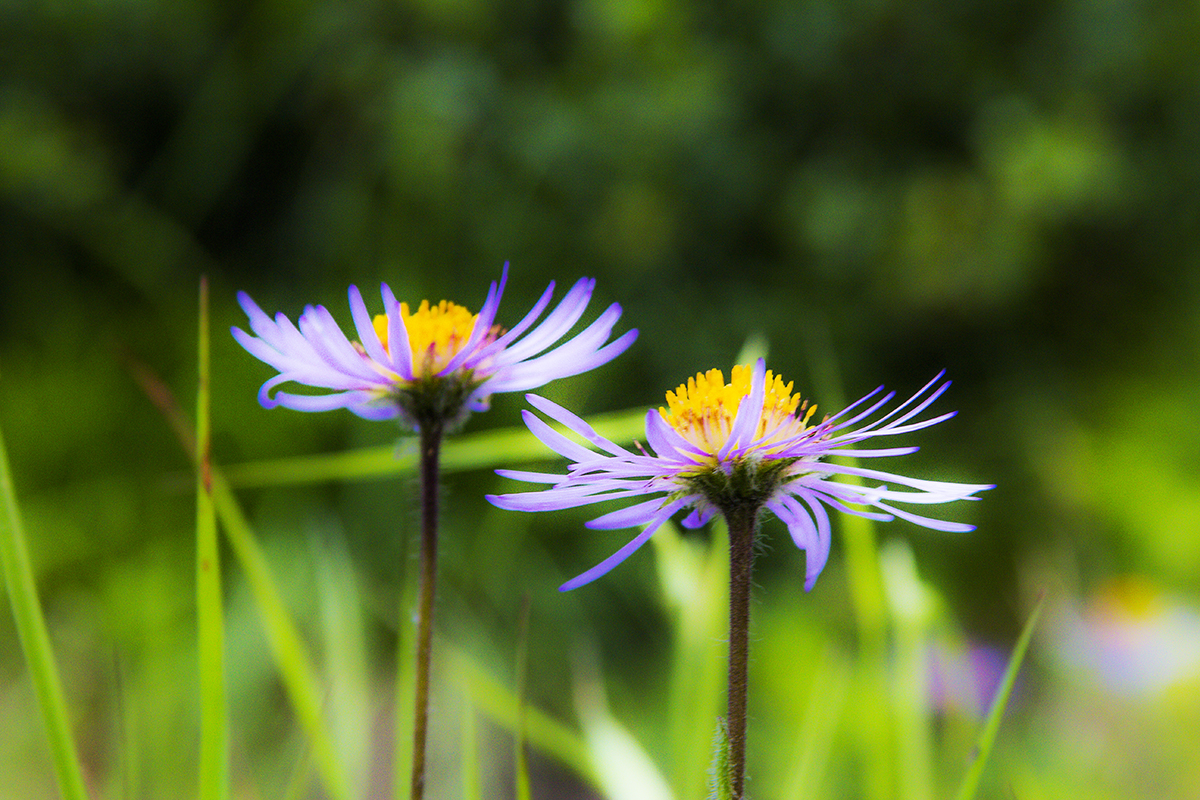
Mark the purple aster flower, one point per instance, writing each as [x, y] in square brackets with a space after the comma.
[431, 368]
[439, 360]
[735, 448]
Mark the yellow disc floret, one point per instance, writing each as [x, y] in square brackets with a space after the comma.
[435, 333]
[703, 410]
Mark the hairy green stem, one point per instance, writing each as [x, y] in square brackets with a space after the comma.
[431, 442]
[742, 529]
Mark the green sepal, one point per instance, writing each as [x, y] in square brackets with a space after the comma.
[748, 485]
[720, 785]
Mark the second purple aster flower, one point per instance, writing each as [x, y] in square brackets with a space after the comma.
[735, 448]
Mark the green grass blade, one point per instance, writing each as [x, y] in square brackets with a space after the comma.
[520, 760]
[470, 753]
[31, 627]
[499, 447]
[298, 783]
[693, 577]
[291, 656]
[406, 677]
[987, 738]
[625, 769]
[815, 741]
[543, 732]
[911, 605]
[345, 659]
[864, 577]
[214, 718]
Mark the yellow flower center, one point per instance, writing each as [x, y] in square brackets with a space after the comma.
[703, 410]
[435, 333]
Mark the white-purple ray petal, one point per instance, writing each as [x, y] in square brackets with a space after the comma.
[798, 521]
[264, 351]
[584, 342]
[880, 453]
[637, 514]
[603, 486]
[557, 498]
[749, 412]
[292, 341]
[605, 566]
[922, 497]
[815, 558]
[327, 339]
[576, 424]
[827, 424]
[317, 402]
[260, 323]
[699, 515]
[376, 409]
[555, 440]
[862, 434]
[531, 477]
[666, 441]
[483, 324]
[551, 329]
[514, 332]
[532, 501]
[539, 372]
[398, 345]
[836, 503]
[849, 492]
[955, 490]
[927, 522]
[914, 411]
[365, 324]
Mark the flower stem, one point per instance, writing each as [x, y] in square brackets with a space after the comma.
[742, 529]
[431, 442]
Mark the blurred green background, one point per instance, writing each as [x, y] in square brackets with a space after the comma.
[877, 189]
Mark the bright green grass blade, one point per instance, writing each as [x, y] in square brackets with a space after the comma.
[542, 731]
[625, 770]
[214, 720]
[31, 627]
[470, 754]
[406, 676]
[520, 760]
[911, 605]
[877, 735]
[291, 657]
[298, 783]
[988, 737]
[815, 742]
[344, 650]
[695, 588]
[500, 447]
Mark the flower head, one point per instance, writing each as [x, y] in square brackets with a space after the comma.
[739, 447]
[438, 362]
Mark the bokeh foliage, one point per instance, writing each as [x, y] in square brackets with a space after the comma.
[879, 189]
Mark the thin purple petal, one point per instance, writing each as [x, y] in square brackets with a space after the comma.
[607, 564]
